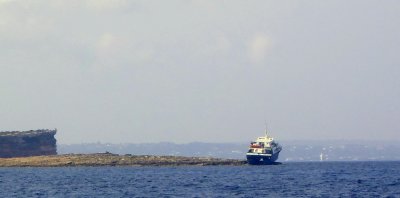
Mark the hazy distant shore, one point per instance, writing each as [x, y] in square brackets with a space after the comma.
[108, 159]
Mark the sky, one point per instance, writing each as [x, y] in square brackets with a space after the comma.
[201, 71]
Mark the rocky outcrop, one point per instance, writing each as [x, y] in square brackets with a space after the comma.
[108, 159]
[27, 143]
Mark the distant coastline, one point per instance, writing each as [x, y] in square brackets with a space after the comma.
[295, 151]
[109, 159]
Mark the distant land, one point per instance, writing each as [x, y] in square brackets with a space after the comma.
[294, 151]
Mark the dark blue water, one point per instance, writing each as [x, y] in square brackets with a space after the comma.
[328, 179]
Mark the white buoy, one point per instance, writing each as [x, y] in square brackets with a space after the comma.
[321, 157]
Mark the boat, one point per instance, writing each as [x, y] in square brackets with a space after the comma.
[264, 150]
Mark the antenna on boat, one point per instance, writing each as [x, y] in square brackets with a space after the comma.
[266, 128]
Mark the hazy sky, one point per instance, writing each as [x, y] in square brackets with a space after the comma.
[210, 71]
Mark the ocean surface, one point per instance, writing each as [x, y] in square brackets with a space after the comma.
[295, 179]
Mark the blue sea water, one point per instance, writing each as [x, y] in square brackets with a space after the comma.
[302, 179]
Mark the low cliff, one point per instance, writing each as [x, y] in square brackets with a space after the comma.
[27, 143]
[108, 159]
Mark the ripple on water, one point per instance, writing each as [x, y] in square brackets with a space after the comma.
[337, 179]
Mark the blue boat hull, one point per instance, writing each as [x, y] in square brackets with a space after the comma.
[261, 159]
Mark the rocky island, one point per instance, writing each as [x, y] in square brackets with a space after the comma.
[109, 159]
[37, 148]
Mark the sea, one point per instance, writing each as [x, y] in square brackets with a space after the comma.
[292, 179]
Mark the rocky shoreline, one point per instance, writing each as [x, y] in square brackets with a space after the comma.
[109, 159]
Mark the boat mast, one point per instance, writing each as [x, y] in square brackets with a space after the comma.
[266, 129]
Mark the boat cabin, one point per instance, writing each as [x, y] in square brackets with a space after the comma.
[262, 145]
